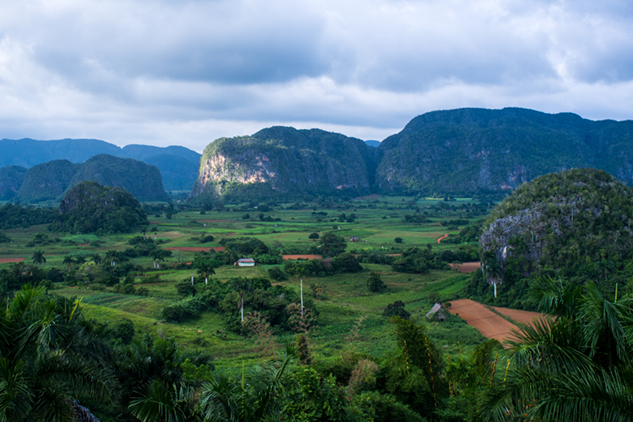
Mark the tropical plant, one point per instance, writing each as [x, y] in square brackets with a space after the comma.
[38, 257]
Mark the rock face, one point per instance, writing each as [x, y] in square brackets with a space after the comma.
[283, 160]
[50, 181]
[11, 178]
[464, 150]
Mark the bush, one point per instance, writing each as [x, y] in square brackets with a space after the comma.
[277, 274]
[184, 310]
[313, 236]
[398, 240]
[396, 309]
[375, 283]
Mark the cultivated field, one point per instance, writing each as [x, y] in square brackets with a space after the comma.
[489, 323]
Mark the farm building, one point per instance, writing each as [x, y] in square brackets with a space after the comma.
[245, 262]
[437, 310]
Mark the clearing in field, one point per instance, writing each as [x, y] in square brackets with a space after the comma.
[487, 322]
[301, 257]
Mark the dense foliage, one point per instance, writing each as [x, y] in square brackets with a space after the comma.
[575, 224]
[13, 216]
[91, 208]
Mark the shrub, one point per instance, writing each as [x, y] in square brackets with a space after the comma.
[398, 240]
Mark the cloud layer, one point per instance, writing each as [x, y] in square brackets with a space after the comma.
[187, 72]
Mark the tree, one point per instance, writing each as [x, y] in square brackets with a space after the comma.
[111, 256]
[313, 236]
[375, 283]
[205, 266]
[38, 257]
[242, 285]
[36, 383]
[332, 244]
[398, 240]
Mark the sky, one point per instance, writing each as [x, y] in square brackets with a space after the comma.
[186, 72]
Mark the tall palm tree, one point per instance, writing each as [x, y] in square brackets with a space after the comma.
[38, 257]
[242, 285]
[111, 256]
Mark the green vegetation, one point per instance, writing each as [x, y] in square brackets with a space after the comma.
[91, 208]
[572, 224]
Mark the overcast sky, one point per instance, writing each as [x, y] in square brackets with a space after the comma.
[177, 72]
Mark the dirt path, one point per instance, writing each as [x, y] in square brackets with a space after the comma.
[441, 238]
[466, 267]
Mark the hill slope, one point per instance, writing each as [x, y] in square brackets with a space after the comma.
[284, 160]
[47, 181]
[11, 178]
[140, 179]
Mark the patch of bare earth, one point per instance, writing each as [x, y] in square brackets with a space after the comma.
[466, 267]
[524, 317]
[483, 319]
[442, 238]
[11, 260]
[302, 256]
[194, 249]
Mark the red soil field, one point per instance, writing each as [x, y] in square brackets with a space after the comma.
[467, 267]
[302, 257]
[443, 237]
[524, 317]
[487, 322]
[188, 249]
[11, 260]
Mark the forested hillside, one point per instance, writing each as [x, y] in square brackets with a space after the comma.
[575, 225]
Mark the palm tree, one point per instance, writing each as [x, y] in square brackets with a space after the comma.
[205, 268]
[68, 261]
[575, 366]
[243, 285]
[111, 256]
[43, 368]
[301, 272]
[38, 257]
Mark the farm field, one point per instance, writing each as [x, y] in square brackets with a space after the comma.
[489, 323]
[343, 301]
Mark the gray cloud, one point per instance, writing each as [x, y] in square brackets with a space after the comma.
[167, 72]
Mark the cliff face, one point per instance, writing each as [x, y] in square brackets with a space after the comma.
[11, 178]
[282, 160]
[49, 181]
[461, 151]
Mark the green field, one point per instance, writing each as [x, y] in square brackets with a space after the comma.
[346, 299]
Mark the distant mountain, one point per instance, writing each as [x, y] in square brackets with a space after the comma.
[50, 181]
[141, 180]
[374, 144]
[178, 173]
[29, 152]
[47, 181]
[462, 151]
[11, 178]
[284, 161]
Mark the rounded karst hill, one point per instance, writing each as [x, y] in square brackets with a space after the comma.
[91, 208]
[575, 225]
